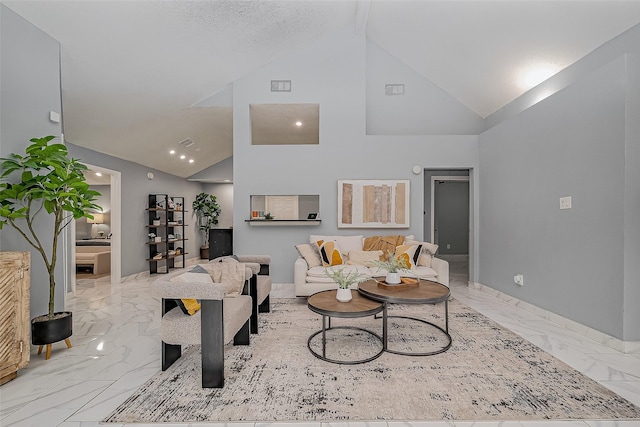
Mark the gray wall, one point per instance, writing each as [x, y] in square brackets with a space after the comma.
[30, 88]
[330, 72]
[135, 190]
[575, 262]
[424, 109]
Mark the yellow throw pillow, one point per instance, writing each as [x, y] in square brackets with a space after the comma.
[329, 253]
[409, 253]
[188, 306]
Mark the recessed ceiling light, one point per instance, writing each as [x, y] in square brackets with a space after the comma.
[172, 151]
[298, 124]
[190, 160]
[98, 174]
[182, 157]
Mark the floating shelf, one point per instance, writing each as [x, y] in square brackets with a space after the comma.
[282, 222]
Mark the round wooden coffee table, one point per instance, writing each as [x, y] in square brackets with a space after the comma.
[426, 292]
[326, 304]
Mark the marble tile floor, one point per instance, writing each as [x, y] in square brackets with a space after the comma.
[116, 349]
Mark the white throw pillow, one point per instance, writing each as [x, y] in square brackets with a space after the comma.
[428, 251]
[309, 251]
[365, 258]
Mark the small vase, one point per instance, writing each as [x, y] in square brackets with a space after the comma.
[343, 295]
[393, 278]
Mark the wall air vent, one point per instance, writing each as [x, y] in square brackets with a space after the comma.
[186, 143]
[280, 85]
[394, 89]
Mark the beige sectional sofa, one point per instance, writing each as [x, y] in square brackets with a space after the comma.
[309, 274]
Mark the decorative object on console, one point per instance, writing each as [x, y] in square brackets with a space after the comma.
[268, 215]
[373, 203]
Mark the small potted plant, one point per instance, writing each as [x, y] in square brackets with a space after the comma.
[45, 184]
[344, 281]
[393, 266]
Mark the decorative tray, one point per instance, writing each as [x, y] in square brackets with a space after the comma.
[405, 282]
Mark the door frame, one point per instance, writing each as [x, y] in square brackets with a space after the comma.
[116, 233]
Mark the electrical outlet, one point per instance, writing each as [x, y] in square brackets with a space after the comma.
[518, 279]
[448, 246]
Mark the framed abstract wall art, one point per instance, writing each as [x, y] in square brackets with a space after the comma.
[373, 203]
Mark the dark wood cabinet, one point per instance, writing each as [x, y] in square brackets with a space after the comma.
[220, 242]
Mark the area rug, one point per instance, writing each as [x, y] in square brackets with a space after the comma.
[489, 373]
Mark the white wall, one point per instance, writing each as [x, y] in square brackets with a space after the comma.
[332, 73]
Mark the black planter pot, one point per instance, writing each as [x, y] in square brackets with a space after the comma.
[47, 331]
[204, 253]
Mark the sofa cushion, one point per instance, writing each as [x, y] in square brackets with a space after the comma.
[365, 258]
[319, 272]
[346, 243]
[330, 253]
[423, 272]
[309, 251]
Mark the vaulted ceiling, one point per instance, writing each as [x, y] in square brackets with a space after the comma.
[134, 72]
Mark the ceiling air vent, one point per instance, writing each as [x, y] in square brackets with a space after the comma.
[186, 143]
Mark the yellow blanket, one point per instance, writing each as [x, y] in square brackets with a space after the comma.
[385, 244]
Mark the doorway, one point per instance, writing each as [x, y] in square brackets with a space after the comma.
[113, 232]
[450, 215]
[448, 219]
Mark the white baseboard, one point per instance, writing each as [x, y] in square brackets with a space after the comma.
[601, 337]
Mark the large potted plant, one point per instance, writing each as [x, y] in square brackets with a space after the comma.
[207, 211]
[45, 181]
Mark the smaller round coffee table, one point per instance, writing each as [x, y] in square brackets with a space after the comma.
[326, 304]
